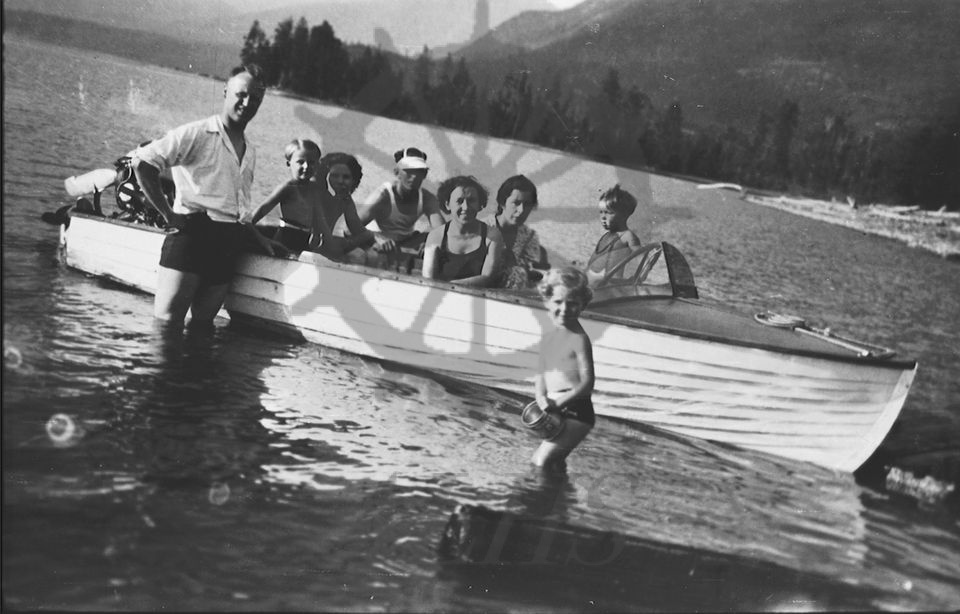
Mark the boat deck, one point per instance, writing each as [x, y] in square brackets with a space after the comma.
[695, 318]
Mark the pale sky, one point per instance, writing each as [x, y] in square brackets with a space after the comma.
[560, 4]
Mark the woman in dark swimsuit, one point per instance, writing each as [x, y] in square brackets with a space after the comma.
[464, 250]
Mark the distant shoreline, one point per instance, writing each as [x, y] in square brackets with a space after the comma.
[934, 231]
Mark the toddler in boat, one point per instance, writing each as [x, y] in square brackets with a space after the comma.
[565, 376]
[302, 224]
[616, 206]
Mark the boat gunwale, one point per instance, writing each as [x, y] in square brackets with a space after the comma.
[526, 299]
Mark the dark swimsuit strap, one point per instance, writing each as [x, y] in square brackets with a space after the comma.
[483, 239]
[445, 254]
[609, 245]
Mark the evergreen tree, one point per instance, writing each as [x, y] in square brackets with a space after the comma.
[510, 106]
[788, 118]
[422, 90]
[256, 47]
[443, 98]
[282, 55]
[670, 135]
[371, 83]
[639, 120]
[300, 61]
[330, 63]
[559, 130]
[464, 108]
[611, 86]
[760, 146]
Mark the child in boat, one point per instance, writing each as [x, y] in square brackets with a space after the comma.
[302, 224]
[342, 174]
[565, 374]
[616, 206]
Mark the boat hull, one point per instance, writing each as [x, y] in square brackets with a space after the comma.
[797, 402]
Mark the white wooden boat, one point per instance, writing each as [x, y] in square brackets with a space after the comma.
[663, 357]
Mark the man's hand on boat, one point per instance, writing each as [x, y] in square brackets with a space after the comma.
[174, 222]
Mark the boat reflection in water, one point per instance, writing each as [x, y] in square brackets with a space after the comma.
[548, 564]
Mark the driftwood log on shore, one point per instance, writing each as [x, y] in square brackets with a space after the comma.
[935, 231]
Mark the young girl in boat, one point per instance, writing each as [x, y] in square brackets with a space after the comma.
[616, 206]
[302, 224]
[464, 250]
[342, 174]
[565, 374]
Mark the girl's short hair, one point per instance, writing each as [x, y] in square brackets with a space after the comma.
[460, 181]
[330, 160]
[619, 199]
[297, 144]
[573, 279]
[518, 182]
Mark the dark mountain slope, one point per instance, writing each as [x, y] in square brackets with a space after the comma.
[886, 64]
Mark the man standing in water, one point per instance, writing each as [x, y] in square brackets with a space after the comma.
[397, 205]
[212, 167]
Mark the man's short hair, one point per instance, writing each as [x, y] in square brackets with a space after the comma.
[254, 70]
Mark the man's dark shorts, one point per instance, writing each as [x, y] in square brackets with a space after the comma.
[205, 248]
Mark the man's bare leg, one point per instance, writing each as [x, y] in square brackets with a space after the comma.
[175, 292]
[207, 302]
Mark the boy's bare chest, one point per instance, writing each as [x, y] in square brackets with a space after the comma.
[559, 344]
[298, 205]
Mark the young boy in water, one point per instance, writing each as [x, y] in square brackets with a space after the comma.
[302, 224]
[616, 206]
[565, 375]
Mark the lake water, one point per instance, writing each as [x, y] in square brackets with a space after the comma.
[242, 471]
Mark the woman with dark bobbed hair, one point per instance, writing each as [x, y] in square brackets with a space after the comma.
[464, 250]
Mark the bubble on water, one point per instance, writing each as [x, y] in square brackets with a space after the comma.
[12, 358]
[62, 429]
[219, 493]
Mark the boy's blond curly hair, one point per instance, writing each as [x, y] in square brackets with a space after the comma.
[572, 278]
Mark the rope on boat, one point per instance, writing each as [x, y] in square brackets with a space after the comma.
[798, 324]
[777, 320]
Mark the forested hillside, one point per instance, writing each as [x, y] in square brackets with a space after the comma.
[750, 112]
[827, 99]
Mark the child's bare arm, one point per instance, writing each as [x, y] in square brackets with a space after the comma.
[269, 245]
[540, 385]
[271, 201]
[431, 263]
[359, 235]
[631, 239]
[431, 208]
[320, 230]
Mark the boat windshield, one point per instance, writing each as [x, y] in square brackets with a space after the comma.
[657, 269]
